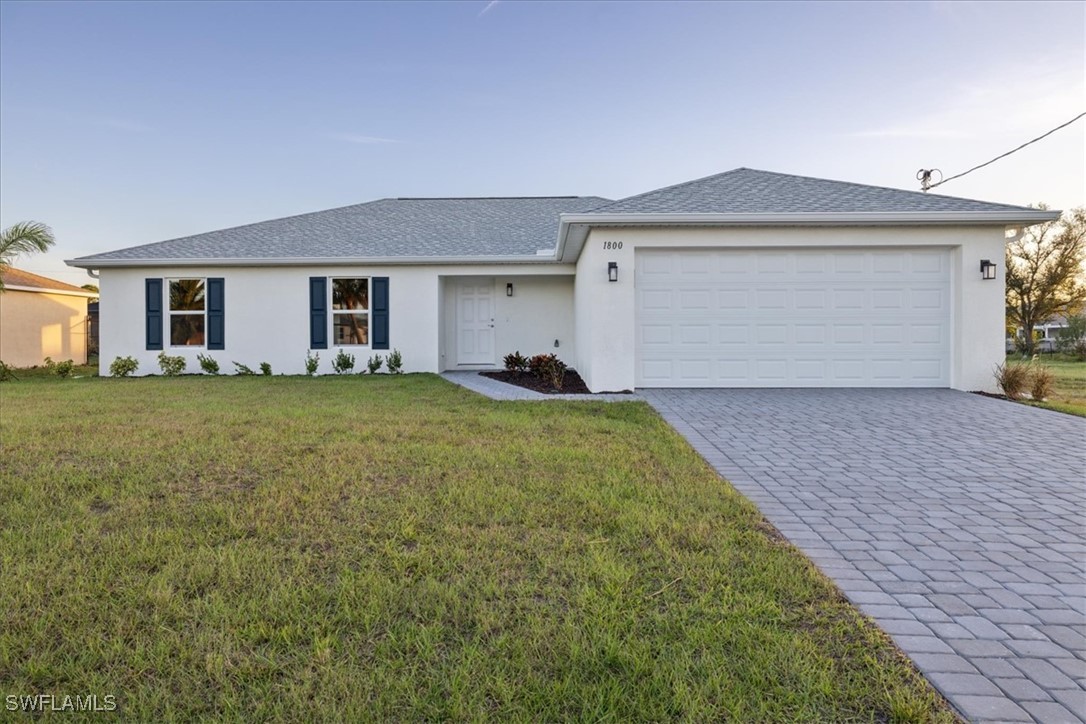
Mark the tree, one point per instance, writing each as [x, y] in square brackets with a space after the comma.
[1045, 275]
[25, 237]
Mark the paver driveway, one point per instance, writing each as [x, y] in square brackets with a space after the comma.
[954, 520]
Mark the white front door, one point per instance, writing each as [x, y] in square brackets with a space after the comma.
[475, 323]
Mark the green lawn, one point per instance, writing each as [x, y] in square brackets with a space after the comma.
[1070, 394]
[401, 549]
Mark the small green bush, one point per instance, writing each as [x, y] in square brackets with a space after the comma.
[1012, 379]
[516, 362]
[265, 369]
[208, 364]
[395, 362]
[63, 369]
[123, 366]
[171, 366]
[374, 364]
[243, 370]
[1041, 383]
[312, 362]
[6, 372]
[343, 363]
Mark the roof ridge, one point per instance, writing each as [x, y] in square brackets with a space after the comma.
[483, 198]
[625, 202]
[246, 226]
[923, 194]
[672, 186]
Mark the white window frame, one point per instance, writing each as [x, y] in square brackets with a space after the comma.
[170, 313]
[368, 311]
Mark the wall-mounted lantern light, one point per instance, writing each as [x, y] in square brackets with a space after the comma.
[612, 271]
[509, 289]
[987, 269]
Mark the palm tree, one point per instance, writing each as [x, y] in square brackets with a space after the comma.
[25, 237]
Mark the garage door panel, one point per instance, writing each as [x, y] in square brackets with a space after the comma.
[793, 318]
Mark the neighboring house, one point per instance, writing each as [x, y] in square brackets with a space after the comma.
[41, 317]
[742, 279]
[1047, 335]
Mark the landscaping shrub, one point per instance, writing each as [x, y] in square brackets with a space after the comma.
[312, 362]
[243, 370]
[123, 366]
[395, 362]
[343, 363]
[1041, 383]
[60, 369]
[208, 364]
[171, 366]
[6, 372]
[1072, 338]
[1012, 379]
[516, 362]
[548, 368]
[374, 364]
[265, 369]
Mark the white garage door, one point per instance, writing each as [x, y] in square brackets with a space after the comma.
[793, 318]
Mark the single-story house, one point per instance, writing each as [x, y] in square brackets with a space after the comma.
[1047, 335]
[41, 317]
[742, 279]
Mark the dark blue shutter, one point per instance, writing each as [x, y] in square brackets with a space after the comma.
[380, 313]
[216, 317]
[318, 313]
[154, 313]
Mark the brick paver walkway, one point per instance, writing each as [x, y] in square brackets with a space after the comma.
[957, 522]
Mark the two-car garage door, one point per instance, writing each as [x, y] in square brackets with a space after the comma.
[793, 318]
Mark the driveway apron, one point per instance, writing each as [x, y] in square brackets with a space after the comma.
[957, 522]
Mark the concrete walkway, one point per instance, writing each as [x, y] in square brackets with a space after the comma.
[497, 390]
[956, 521]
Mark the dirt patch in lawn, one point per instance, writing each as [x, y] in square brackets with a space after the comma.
[571, 385]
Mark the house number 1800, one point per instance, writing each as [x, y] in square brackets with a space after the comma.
[607, 245]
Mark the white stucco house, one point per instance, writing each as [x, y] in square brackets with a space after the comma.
[743, 279]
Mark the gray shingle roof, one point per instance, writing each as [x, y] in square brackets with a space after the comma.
[749, 191]
[521, 226]
[468, 227]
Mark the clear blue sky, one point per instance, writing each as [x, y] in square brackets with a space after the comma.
[126, 123]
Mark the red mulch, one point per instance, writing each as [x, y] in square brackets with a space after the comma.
[571, 385]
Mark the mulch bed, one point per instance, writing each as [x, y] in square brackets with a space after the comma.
[571, 385]
[993, 395]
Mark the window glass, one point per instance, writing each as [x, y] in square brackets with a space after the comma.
[350, 311]
[186, 330]
[187, 318]
[351, 294]
[350, 329]
[186, 295]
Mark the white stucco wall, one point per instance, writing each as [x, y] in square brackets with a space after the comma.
[605, 311]
[267, 313]
[539, 313]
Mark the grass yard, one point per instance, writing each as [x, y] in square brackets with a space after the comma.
[1070, 394]
[397, 548]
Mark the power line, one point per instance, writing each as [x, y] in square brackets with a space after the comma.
[924, 175]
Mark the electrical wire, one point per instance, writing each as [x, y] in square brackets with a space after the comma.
[1008, 153]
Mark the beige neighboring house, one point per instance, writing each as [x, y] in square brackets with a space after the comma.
[41, 317]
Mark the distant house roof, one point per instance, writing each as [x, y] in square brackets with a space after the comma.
[422, 230]
[749, 191]
[415, 228]
[24, 281]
